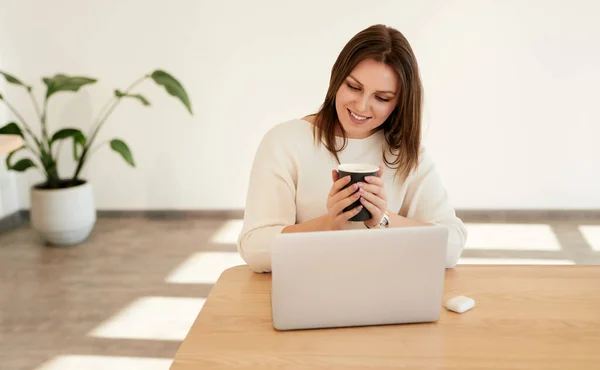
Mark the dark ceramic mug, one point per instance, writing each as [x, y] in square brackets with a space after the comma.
[357, 173]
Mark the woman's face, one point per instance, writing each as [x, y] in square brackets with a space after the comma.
[366, 98]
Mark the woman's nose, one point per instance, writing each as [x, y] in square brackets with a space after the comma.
[363, 104]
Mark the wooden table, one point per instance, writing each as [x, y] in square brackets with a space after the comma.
[526, 317]
[8, 143]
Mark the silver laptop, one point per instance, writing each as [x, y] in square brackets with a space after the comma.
[358, 277]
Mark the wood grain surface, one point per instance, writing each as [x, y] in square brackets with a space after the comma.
[525, 317]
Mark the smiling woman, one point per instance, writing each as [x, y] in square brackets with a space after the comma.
[358, 116]
[371, 114]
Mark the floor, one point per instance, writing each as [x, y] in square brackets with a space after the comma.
[126, 298]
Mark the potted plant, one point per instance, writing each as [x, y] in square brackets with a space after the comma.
[62, 207]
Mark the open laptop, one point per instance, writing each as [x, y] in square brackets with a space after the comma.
[358, 277]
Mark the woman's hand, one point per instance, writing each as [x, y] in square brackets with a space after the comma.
[373, 198]
[339, 199]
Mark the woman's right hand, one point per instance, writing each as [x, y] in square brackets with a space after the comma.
[339, 199]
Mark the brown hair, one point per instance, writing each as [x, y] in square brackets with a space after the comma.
[402, 128]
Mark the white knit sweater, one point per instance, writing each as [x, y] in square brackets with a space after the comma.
[291, 178]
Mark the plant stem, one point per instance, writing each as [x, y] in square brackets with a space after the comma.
[35, 104]
[42, 165]
[41, 116]
[114, 102]
[44, 126]
[102, 111]
[50, 173]
[93, 150]
[25, 125]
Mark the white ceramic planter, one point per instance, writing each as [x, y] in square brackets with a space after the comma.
[63, 216]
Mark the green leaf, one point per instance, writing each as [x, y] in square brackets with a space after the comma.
[120, 147]
[64, 133]
[9, 157]
[11, 129]
[21, 165]
[13, 80]
[79, 139]
[172, 86]
[62, 82]
[143, 100]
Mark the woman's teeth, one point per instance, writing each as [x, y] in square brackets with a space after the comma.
[360, 118]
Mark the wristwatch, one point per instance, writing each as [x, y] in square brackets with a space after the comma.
[383, 224]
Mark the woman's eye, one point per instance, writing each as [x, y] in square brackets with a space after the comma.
[352, 87]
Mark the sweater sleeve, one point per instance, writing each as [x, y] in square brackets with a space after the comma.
[427, 201]
[270, 201]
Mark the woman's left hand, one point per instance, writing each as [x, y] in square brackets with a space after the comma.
[373, 198]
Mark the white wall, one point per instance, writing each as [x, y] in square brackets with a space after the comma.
[511, 86]
[9, 202]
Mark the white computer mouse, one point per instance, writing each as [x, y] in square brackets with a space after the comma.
[460, 304]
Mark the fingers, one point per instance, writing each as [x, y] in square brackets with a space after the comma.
[345, 193]
[375, 186]
[338, 184]
[335, 175]
[380, 172]
[376, 212]
[345, 202]
[373, 189]
[374, 180]
[344, 217]
[381, 204]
